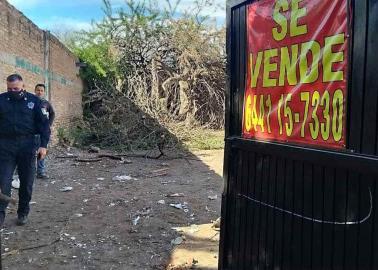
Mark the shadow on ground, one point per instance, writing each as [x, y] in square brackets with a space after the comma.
[110, 224]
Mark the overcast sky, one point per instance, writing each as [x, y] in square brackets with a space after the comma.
[78, 14]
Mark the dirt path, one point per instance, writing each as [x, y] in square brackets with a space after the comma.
[107, 224]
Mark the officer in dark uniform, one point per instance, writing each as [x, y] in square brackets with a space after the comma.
[22, 116]
[40, 92]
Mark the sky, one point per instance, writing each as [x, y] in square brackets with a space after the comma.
[78, 14]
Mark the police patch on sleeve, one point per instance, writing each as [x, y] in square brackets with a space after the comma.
[45, 112]
[31, 105]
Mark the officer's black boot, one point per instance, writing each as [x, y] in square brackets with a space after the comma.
[43, 176]
[22, 220]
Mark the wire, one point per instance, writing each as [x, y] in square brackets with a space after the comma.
[313, 219]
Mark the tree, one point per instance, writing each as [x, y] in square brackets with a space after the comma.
[167, 60]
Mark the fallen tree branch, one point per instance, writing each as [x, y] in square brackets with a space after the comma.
[88, 159]
[114, 157]
[67, 157]
[157, 175]
[17, 251]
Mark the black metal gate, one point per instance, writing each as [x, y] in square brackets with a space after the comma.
[293, 207]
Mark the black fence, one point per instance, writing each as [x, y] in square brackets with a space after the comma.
[292, 207]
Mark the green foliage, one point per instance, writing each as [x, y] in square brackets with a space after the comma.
[95, 52]
[203, 139]
[76, 134]
[62, 135]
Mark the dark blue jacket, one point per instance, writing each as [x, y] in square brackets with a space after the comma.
[24, 117]
[49, 108]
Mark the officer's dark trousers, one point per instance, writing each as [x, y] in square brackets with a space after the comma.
[20, 152]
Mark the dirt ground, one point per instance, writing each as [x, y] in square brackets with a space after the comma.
[106, 222]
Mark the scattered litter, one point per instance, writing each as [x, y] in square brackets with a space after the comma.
[16, 183]
[145, 212]
[184, 266]
[52, 182]
[176, 195]
[180, 206]
[193, 229]
[161, 202]
[177, 206]
[94, 149]
[126, 161]
[177, 241]
[213, 198]
[31, 203]
[122, 178]
[85, 201]
[112, 204]
[73, 238]
[100, 179]
[6, 249]
[78, 215]
[209, 210]
[160, 170]
[66, 189]
[66, 234]
[168, 182]
[216, 224]
[136, 220]
[74, 257]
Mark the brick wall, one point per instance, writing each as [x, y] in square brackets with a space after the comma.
[40, 58]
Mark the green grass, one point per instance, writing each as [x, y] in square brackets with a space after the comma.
[203, 139]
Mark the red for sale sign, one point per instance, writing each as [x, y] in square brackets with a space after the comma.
[297, 72]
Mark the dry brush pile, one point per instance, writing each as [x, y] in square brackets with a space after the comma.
[167, 75]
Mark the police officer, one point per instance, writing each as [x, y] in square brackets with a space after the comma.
[22, 117]
[40, 92]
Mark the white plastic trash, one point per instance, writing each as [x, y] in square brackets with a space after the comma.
[16, 183]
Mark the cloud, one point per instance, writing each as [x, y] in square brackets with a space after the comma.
[68, 18]
[64, 23]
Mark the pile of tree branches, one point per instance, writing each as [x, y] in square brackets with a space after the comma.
[164, 60]
[117, 121]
